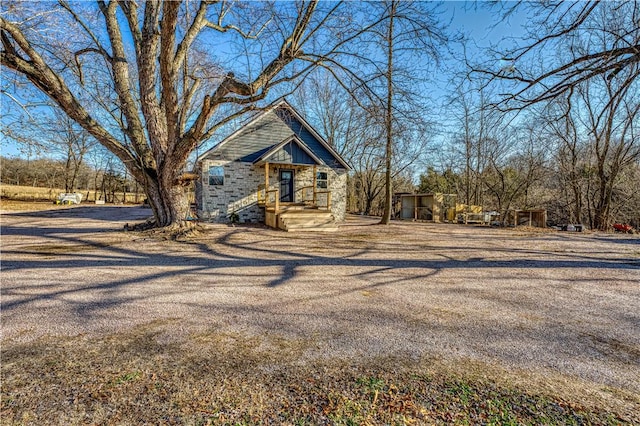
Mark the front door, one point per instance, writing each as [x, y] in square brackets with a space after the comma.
[286, 186]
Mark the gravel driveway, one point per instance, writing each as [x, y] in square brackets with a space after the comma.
[563, 304]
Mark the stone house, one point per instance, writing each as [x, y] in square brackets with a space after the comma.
[276, 170]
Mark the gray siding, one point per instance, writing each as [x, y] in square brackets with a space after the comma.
[309, 140]
[269, 130]
[253, 141]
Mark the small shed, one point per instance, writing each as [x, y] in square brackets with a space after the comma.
[536, 218]
[428, 207]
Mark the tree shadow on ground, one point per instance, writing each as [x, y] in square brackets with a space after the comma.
[131, 213]
[633, 240]
[73, 249]
[96, 279]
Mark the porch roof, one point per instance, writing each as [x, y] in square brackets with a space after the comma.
[290, 151]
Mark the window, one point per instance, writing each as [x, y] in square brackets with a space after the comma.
[321, 180]
[216, 175]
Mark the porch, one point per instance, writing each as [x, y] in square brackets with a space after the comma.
[298, 200]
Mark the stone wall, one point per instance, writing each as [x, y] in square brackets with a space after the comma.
[337, 184]
[239, 193]
[338, 187]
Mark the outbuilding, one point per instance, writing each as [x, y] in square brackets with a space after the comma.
[433, 207]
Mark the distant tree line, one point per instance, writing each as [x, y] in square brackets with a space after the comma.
[108, 183]
[552, 119]
[515, 186]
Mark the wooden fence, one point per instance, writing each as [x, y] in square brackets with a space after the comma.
[29, 193]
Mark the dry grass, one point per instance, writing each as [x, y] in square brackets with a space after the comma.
[215, 378]
[33, 194]
[17, 205]
[28, 193]
[240, 325]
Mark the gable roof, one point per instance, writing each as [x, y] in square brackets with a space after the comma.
[269, 131]
[291, 150]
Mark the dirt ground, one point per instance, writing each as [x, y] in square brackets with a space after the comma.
[548, 309]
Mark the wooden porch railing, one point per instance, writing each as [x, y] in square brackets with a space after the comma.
[267, 199]
[328, 199]
[305, 194]
[261, 195]
[314, 196]
[308, 194]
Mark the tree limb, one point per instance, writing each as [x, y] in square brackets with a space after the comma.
[121, 80]
[44, 78]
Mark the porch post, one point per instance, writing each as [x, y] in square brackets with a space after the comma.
[315, 178]
[266, 176]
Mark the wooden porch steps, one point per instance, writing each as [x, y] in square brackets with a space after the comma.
[307, 220]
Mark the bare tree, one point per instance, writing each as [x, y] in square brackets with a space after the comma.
[509, 179]
[597, 147]
[410, 33]
[50, 132]
[569, 43]
[388, 110]
[560, 123]
[475, 123]
[334, 112]
[358, 135]
[582, 58]
[612, 123]
[369, 176]
[70, 141]
[163, 82]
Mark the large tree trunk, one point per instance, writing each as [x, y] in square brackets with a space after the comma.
[168, 198]
[170, 207]
[603, 208]
[68, 181]
[367, 205]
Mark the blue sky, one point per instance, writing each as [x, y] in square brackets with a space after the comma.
[481, 23]
[472, 19]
